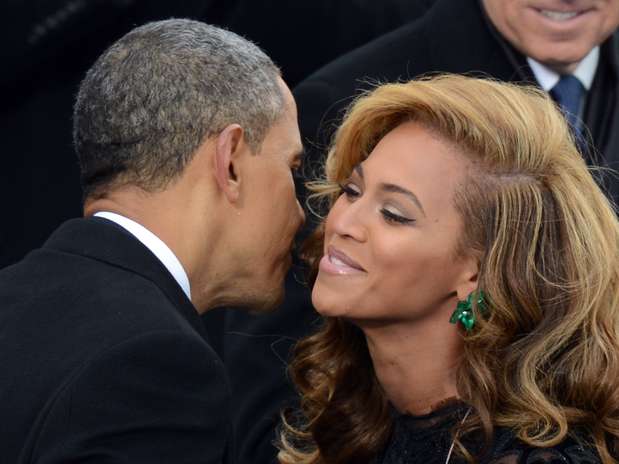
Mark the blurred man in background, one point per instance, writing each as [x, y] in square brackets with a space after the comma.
[569, 48]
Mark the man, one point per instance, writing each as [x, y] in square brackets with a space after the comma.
[511, 40]
[60, 39]
[186, 137]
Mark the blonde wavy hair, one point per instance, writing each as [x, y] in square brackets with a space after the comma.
[545, 359]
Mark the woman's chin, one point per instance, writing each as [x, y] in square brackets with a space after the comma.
[326, 303]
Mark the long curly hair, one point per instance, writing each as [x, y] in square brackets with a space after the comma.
[544, 359]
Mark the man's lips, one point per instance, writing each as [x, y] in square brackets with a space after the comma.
[558, 15]
[337, 262]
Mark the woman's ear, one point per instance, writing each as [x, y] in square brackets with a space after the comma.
[468, 280]
[228, 148]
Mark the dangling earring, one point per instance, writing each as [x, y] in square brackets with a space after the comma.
[464, 310]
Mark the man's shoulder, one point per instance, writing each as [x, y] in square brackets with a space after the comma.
[610, 50]
[69, 281]
[65, 299]
[321, 97]
[453, 37]
[450, 37]
[382, 59]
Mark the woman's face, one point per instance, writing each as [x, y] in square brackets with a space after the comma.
[390, 238]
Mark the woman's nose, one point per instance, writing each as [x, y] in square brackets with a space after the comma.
[346, 218]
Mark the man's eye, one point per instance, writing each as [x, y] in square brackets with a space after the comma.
[350, 190]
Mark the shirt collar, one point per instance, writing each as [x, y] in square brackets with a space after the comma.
[584, 72]
[155, 245]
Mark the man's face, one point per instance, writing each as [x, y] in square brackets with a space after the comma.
[557, 33]
[271, 215]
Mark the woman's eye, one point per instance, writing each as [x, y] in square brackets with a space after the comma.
[392, 217]
[350, 190]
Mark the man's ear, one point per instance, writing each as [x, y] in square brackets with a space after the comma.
[228, 147]
[469, 276]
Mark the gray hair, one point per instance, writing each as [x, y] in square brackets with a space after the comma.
[156, 94]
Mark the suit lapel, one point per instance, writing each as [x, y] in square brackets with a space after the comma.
[105, 241]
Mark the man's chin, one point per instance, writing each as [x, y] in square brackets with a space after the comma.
[266, 301]
[269, 303]
[563, 58]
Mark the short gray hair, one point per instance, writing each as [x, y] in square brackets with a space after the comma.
[156, 94]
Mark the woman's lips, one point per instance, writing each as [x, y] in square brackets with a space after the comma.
[337, 262]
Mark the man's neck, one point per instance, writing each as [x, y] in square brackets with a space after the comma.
[584, 71]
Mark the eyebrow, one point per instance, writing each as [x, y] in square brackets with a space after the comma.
[397, 189]
[393, 188]
[359, 170]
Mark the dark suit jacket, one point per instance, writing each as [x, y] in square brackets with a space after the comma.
[317, 31]
[104, 358]
[454, 36]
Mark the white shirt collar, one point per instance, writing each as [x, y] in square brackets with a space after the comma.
[584, 72]
[155, 245]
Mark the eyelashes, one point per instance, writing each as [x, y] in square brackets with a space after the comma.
[349, 191]
[392, 217]
[352, 193]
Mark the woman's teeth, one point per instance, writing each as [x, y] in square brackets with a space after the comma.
[337, 262]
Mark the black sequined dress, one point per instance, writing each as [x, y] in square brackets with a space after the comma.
[426, 440]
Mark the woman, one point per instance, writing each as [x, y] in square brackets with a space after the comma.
[459, 200]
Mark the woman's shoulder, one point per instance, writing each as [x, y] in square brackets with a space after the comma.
[508, 449]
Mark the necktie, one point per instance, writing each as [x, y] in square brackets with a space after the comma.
[568, 93]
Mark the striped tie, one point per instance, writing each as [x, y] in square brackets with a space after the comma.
[568, 93]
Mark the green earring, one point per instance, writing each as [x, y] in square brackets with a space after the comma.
[464, 310]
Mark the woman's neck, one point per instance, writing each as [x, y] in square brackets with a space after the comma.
[416, 366]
